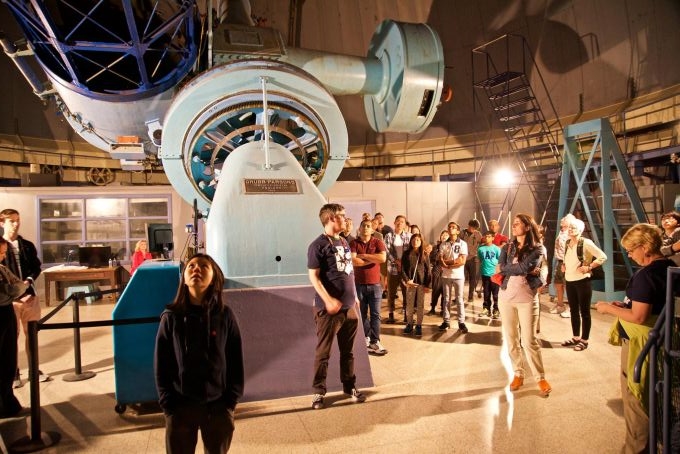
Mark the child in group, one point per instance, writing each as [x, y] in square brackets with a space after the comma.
[416, 276]
[488, 254]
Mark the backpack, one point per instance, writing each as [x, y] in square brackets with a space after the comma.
[597, 273]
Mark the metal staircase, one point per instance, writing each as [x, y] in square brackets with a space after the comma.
[503, 69]
[597, 187]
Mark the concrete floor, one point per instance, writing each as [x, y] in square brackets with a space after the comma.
[442, 393]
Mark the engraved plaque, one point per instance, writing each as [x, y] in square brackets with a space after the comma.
[270, 186]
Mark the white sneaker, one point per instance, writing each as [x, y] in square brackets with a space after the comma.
[376, 348]
[565, 314]
[557, 309]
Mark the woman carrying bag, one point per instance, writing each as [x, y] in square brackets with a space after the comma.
[581, 257]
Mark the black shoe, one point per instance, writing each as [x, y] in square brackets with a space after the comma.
[462, 328]
[390, 319]
[444, 326]
[419, 330]
[432, 312]
[384, 295]
[356, 395]
[408, 329]
[317, 402]
[16, 410]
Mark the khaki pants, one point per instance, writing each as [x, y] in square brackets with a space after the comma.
[635, 415]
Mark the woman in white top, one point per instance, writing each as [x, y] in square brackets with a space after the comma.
[577, 274]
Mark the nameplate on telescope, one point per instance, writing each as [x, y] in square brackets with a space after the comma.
[270, 186]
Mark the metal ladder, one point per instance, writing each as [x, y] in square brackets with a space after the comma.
[503, 69]
[597, 187]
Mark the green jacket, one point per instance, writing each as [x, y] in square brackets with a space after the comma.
[638, 335]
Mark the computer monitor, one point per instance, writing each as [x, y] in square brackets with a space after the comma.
[160, 239]
[94, 256]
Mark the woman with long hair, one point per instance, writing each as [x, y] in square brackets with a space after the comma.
[199, 361]
[11, 288]
[415, 273]
[635, 317]
[518, 300]
[581, 256]
[437, 288]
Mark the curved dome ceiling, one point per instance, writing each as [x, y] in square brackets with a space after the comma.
[591, 54]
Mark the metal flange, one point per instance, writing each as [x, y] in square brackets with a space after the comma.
[222, 110]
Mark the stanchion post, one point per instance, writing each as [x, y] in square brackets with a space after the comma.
[33, 373]
[79, 375]
[38, 440]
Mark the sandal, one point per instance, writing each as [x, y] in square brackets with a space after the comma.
[580, 346]
[571, 342]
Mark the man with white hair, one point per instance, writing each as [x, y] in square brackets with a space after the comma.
[558, 275]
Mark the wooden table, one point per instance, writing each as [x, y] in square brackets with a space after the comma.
[61, 274]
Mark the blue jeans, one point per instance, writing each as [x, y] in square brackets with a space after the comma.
[370, 297]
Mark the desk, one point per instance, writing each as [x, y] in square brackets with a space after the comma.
[60, 274]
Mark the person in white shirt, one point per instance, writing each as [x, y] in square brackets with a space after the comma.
[452, 255]
[577, 273]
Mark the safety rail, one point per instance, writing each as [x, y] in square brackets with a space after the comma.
[661, 340]
[39, 440]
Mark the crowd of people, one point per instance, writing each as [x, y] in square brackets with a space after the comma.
[351, 273]
[512, 271]
[393, 261]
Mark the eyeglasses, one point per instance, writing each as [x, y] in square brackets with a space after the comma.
[630, 251]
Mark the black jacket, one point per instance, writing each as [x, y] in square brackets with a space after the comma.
[198, 357]
[416, 268]
[30, 263]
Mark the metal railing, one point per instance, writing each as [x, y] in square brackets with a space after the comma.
[660, 390]
[38, 439]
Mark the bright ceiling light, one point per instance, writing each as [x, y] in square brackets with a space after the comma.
[504, 177]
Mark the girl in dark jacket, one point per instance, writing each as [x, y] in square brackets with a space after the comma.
[437, 288]
[199, 362]
[415, 270]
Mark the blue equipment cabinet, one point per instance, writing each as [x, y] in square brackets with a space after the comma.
[152, 287]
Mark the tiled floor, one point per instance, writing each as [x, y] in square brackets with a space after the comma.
[442, 393]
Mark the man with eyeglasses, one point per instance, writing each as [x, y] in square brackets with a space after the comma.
[368, 253]
[330, 269]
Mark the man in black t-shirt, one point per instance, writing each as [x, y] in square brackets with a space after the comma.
[329, 262]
